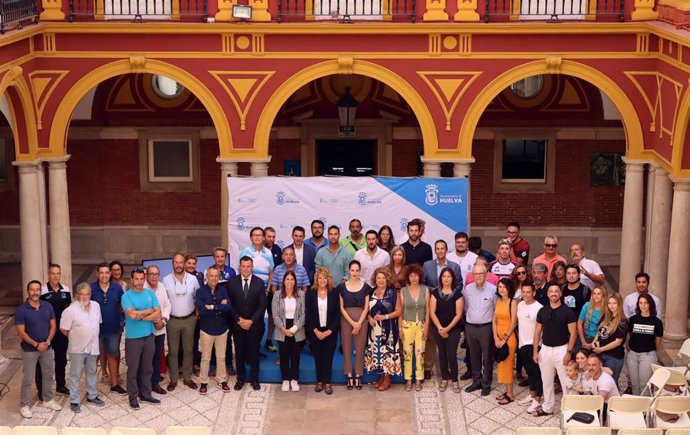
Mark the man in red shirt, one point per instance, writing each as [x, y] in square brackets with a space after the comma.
[520, 252]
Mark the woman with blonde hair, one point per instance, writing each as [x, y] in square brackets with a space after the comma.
[610, 340]
[322, 312]
[414, 325]
[397, 267]
[382, 355]
[590, 317]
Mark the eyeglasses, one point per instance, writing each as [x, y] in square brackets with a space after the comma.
[138, 270]
[522, 272]
[550, 245]
[152, 274]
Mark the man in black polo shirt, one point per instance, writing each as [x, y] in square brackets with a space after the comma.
[36, 327]
[557, 323]
[416, 251]
[59, 297]
[575, 294]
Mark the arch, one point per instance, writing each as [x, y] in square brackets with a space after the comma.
[63, 114]
[631, 122]
[331, 67]
[680, 136]
[22, 118]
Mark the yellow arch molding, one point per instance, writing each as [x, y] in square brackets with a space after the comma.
[63, 115]
[631, 122]
[311, 73]
[679, 138]
[16, 80]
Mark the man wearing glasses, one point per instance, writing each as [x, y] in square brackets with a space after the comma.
[556, 329]
[181, 287]
[480, 303]
[519, 253]
[108, 294]
[550, 256]
[141, 310]
[152, 283]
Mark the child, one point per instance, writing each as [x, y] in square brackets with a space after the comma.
[573, 384]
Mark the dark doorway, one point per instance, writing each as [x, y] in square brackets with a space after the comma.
[352, 158]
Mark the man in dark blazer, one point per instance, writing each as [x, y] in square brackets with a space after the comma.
[248, 303]
[433, 268]
[305, 254]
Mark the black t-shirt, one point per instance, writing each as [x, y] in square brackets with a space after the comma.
[575, 299]
[354, 299]
[417, 254]
[643, 332]
[445, 306]
[555, 324]
[277, 254]
[606, 337]
[541, 295]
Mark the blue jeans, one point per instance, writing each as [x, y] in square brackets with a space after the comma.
[615, 364]
[79, 362]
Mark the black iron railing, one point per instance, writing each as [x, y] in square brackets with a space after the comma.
[346, 10]
[554, 10]
[138, 10]
[17, 13]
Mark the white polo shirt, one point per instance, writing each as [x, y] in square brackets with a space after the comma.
[83, 326]
[465, 262]
[163, 301]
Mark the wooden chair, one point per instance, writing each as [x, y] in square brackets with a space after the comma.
[628, 412]
[589, 404]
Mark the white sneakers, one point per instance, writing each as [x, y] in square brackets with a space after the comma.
[533, 407]
[52, 404]
[290, 385]
[25, 411]
[527, 400]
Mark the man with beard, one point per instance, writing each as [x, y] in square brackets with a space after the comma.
[355, 241]
[35, 324]
[181, 288]
[317, 240]
[416, 250]
[334, 257]
[462, 255]
[81, 323]
[371, 257]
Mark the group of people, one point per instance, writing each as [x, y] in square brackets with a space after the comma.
[397, 309]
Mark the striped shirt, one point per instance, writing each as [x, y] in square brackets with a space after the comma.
[263, 261]
[300, 272]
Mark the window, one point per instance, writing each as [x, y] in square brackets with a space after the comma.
[524, 161]
[170, 161]
[6, 157]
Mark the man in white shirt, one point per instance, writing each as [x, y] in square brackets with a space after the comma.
[527, 311]
[81, 323]
[591, 274]
[462, 255]
[502, 266]
[630, 302]
[371, 257]
[152, 283]
[598, 381]
[181, 288]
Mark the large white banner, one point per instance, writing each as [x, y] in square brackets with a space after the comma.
[285, 202]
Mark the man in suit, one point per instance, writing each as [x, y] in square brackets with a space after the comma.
[248, 302]
[304, 254]
[432, 270]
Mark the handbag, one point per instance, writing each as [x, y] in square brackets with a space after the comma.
[501, 353]
[582, 417]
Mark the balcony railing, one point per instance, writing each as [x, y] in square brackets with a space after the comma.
[17, 13]
[139, 10]
[346, 10]
[554, 10]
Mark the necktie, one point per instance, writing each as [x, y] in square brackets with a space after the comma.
[246, 286]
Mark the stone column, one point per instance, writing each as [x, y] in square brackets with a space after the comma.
[41, 180]
[228, 168]
[259, 168]
[660, 231]
[30, 222]
[648, 214]
[432, 168]
[60, 241]
[678, 260]
[461, 169]
[631, 233]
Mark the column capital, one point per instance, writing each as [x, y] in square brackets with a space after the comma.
[57, 163]
[681, 185]
[27, 167]
[634, 165]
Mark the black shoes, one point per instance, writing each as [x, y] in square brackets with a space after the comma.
[255, 385]
[473, 387]
[134, 404]
[238, 385]
[119, 390]
[486, 391]
[467, 376]
[149, 399]
[62, 391]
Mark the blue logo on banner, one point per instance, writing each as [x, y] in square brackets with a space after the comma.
[403, 224]
[442, 198]
[362, 198]
[280, 198]
[240, 223]
[280, 243]
[431, 194]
